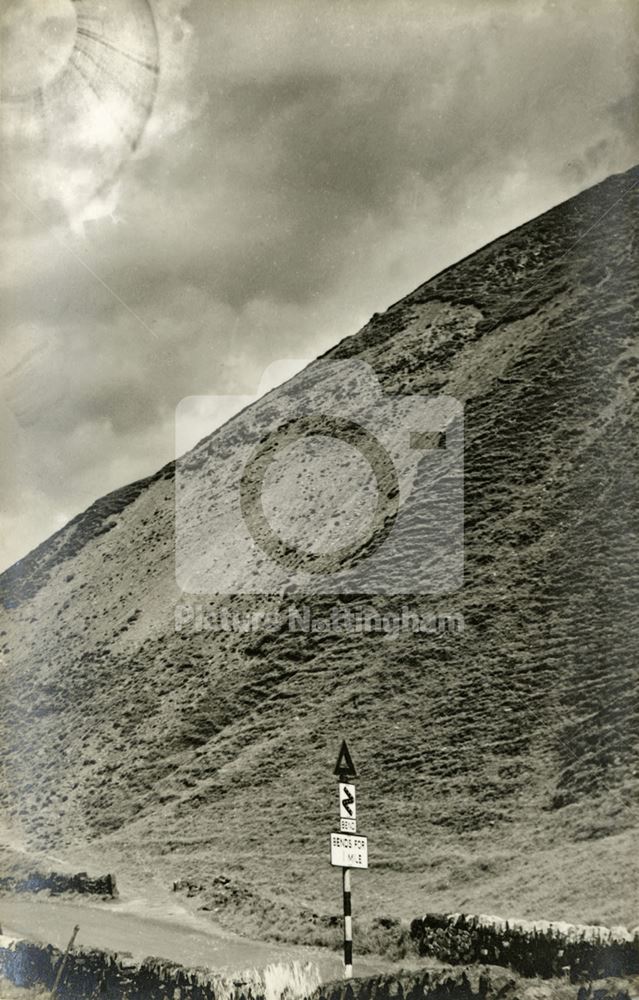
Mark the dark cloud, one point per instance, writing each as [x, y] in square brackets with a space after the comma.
[305, 166]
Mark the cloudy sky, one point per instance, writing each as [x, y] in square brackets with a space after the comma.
[305, 164]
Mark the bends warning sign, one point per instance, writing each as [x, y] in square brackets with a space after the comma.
[348, 851]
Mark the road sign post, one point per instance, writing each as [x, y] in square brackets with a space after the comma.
[348, 924]
[347, 850]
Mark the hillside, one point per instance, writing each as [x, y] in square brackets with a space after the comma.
[497, 765]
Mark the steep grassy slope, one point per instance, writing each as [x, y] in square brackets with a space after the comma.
[498, 766]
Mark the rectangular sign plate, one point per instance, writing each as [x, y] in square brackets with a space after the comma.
[348, 826]
[347, 801]
[348, 851]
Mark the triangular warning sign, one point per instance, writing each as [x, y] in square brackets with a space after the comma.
[345, 764]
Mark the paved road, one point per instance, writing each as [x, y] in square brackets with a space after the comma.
[180, 937]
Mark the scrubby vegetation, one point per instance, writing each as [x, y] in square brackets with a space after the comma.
[498, 766]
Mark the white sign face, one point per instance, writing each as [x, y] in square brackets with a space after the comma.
[348, 826]
[347, 809]
[348, 851]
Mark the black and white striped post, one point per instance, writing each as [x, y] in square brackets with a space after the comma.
[348, 924]
[347, 851]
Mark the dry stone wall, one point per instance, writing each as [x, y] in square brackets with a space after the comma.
[93, 973]
[582, 953]
[57, 883]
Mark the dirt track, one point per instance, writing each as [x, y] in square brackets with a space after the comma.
[180, 938]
